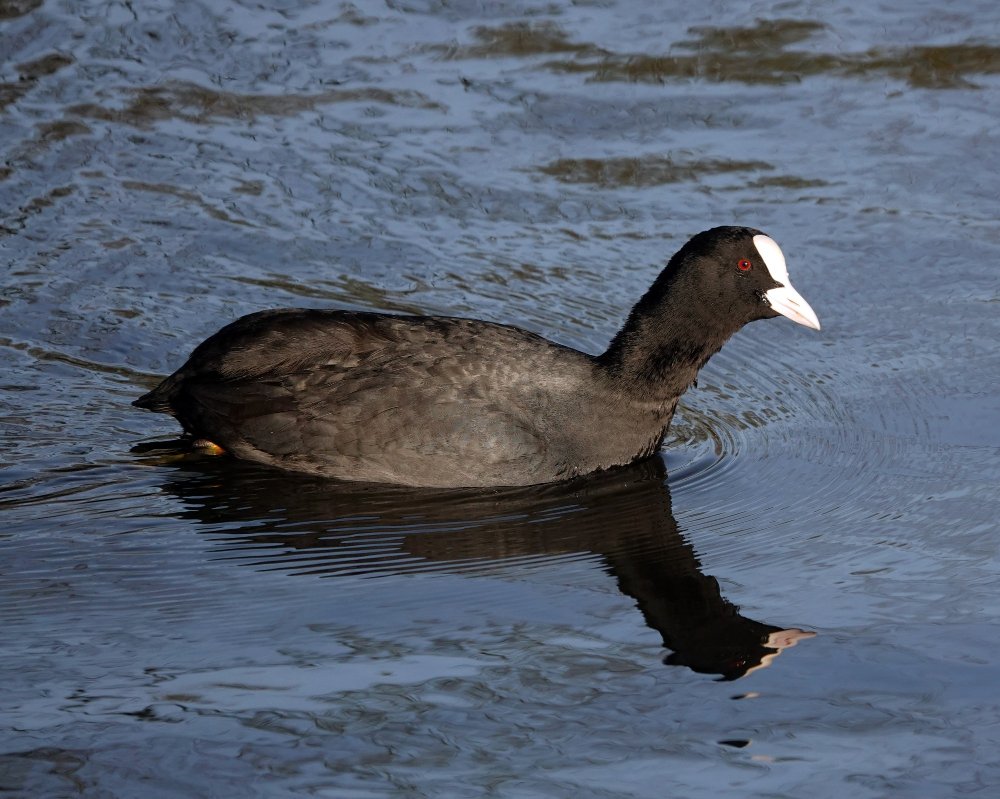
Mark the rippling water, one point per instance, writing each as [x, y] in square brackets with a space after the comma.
[798, 598]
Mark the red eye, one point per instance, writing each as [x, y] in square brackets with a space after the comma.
[744, 265]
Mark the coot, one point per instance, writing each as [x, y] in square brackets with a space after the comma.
[449, 402]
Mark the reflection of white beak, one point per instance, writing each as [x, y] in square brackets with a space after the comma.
[781, 640]
[788, 302]
[784, 299]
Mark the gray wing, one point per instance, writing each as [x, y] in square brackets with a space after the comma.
[411, 400]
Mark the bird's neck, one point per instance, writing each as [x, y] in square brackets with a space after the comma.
[663, 344]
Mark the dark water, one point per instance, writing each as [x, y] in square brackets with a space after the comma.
[185, 626]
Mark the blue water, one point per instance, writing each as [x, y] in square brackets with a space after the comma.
[797, 598]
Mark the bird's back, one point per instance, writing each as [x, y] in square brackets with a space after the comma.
[412, 400]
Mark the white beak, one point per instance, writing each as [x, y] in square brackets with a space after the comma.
[784, 299]
[788, 302]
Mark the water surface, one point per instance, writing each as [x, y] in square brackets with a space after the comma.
[797, 597]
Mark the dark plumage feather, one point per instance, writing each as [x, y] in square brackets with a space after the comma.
[439, 401]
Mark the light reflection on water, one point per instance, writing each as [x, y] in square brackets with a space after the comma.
[183, 626]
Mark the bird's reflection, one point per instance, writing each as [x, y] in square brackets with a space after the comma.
[311, 526]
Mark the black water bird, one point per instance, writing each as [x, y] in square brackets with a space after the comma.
[448, 402]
